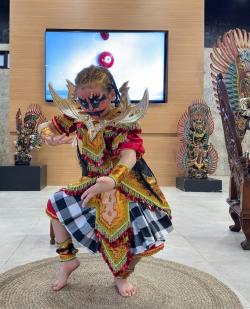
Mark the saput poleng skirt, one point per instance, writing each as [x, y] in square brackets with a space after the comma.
[149, 227]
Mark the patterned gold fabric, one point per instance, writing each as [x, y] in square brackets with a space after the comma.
[118, 173]
[112, 224]
[92, 148]
[138, 193]
[112, 215]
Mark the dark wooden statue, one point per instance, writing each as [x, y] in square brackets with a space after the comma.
[231, 80]
[27, 133]
[196, 157]
[239, 190]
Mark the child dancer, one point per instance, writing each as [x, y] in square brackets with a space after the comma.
[117, 207]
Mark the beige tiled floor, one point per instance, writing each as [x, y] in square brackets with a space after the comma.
[201, 238]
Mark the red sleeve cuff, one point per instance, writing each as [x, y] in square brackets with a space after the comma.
[135, 142]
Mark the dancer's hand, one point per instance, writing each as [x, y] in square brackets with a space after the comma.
[103, 184]
[54, 140]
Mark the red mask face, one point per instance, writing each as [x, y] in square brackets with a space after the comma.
[94, 101]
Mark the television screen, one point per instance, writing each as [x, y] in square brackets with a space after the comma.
[135, 56]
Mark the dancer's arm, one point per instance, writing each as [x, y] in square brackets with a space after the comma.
[51, 137]
[107, 183]
[56, 131]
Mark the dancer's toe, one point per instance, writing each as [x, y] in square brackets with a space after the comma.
[65, 270]
[125, 288]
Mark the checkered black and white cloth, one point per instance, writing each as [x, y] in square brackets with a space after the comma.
[149, 227]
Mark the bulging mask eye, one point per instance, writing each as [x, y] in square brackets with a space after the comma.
[97, 100]
[84, 103]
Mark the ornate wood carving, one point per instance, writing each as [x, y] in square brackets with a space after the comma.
[196, 157]
[239, 191]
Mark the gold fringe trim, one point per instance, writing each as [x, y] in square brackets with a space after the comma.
[118, 140]
[84, 183]
[109, 134]
[103, 169]
[119, 224]
[134, 188]
[129, 126]
[118, 258]
[126, 127]
[94, 149]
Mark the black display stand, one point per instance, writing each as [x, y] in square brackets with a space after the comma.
[23, 178]
[198, 185]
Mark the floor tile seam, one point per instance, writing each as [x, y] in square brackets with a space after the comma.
[12, 253]
[199, 252]
[221, 277]
[19, 245]
[4, 262]
[218, 274]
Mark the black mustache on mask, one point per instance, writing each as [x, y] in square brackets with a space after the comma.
[98, 113]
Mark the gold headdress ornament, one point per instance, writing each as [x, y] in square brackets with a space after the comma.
[125, 113]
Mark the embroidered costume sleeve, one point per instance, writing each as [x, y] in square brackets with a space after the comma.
[124, 137]
[63, 124]
[133, 141]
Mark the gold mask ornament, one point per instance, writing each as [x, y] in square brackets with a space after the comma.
[125, 113]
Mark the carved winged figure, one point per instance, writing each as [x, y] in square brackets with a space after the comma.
[231, 82]
[231, 58]
[195, 156]
[27, 133]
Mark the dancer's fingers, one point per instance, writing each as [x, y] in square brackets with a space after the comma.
[59, 138]
[85, 193]
[87, 198]
[47, 139]
[69, 140]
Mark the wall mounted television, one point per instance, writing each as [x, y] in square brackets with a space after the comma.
[139, 57]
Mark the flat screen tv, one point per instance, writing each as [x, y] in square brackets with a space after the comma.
[139, 57]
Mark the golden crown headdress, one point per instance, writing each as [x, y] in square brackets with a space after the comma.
[124, 113]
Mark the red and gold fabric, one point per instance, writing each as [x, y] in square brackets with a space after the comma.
[112, 223]
[118, 173]
[118, 258]
[93, 149]
[63, 124]
[113, 229]
[50, 211]
[66, 250]
[135, 191]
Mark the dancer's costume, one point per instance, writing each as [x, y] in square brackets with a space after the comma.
[127, 222]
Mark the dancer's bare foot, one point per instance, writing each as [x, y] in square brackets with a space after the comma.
[125, 288]
[66, 268]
